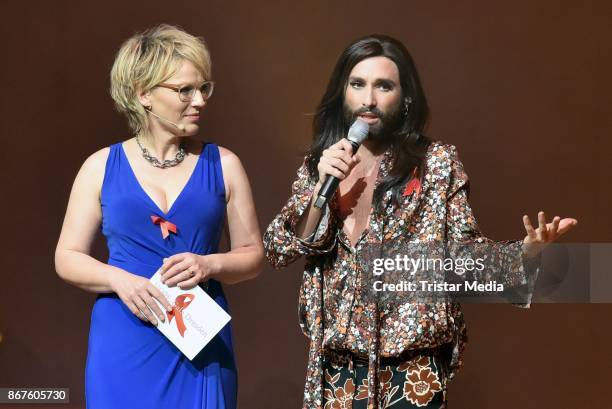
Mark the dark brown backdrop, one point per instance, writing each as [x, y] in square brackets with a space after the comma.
[521, 87]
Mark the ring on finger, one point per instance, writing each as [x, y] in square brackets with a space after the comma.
[189, 271]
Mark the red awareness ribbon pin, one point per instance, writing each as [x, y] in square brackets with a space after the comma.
[413, 186]
[181, 302]
[165, 225]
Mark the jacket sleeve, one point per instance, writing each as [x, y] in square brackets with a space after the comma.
[503, 259]
[280, 241]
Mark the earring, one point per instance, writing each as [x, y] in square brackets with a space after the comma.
[407, 103]
[148, 107]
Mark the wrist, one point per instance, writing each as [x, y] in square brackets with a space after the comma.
[315, 194]
[530, 250]
[213, 265]
[112, 277]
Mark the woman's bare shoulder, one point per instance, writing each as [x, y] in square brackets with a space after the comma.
[226, 154]
[93, 168]
[96, 162]
[229, 160]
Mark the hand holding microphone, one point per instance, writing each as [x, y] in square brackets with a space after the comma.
[337, 162]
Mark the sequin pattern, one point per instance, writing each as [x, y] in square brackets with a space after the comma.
[332, 310]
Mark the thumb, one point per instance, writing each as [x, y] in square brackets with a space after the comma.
[566, 224]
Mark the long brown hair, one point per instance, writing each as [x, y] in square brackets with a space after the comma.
[408, 143]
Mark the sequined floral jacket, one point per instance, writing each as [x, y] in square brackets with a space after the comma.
[333, 308]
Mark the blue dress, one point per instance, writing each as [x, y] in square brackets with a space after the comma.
[130, 364]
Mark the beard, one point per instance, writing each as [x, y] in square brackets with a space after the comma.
[388, 122]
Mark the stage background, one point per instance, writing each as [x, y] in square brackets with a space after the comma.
[522, 88]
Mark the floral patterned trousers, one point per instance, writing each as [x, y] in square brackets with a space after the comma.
[414, 380]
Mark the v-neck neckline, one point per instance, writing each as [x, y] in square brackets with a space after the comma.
[147, 196]
[379, 177]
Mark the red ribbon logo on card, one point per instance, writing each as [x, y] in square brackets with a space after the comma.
[181, 302]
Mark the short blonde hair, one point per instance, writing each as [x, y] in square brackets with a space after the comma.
[149, 58]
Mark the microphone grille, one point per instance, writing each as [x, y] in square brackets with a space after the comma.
[358, 131]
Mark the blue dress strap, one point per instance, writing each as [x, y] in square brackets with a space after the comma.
[211, 171]
[112, 163]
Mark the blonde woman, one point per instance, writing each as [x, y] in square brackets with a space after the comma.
[161, 199]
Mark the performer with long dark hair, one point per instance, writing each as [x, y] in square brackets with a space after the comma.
[399, 186]
[161, 198]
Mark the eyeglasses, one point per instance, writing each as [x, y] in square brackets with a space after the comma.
[187, 92]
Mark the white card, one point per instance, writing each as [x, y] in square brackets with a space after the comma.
[195, 320]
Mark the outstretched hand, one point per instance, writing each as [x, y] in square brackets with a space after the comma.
[546, 233]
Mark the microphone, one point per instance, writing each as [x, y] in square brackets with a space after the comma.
[180, 127]
[357, 133]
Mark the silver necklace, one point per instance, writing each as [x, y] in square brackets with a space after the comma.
[166, 163]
